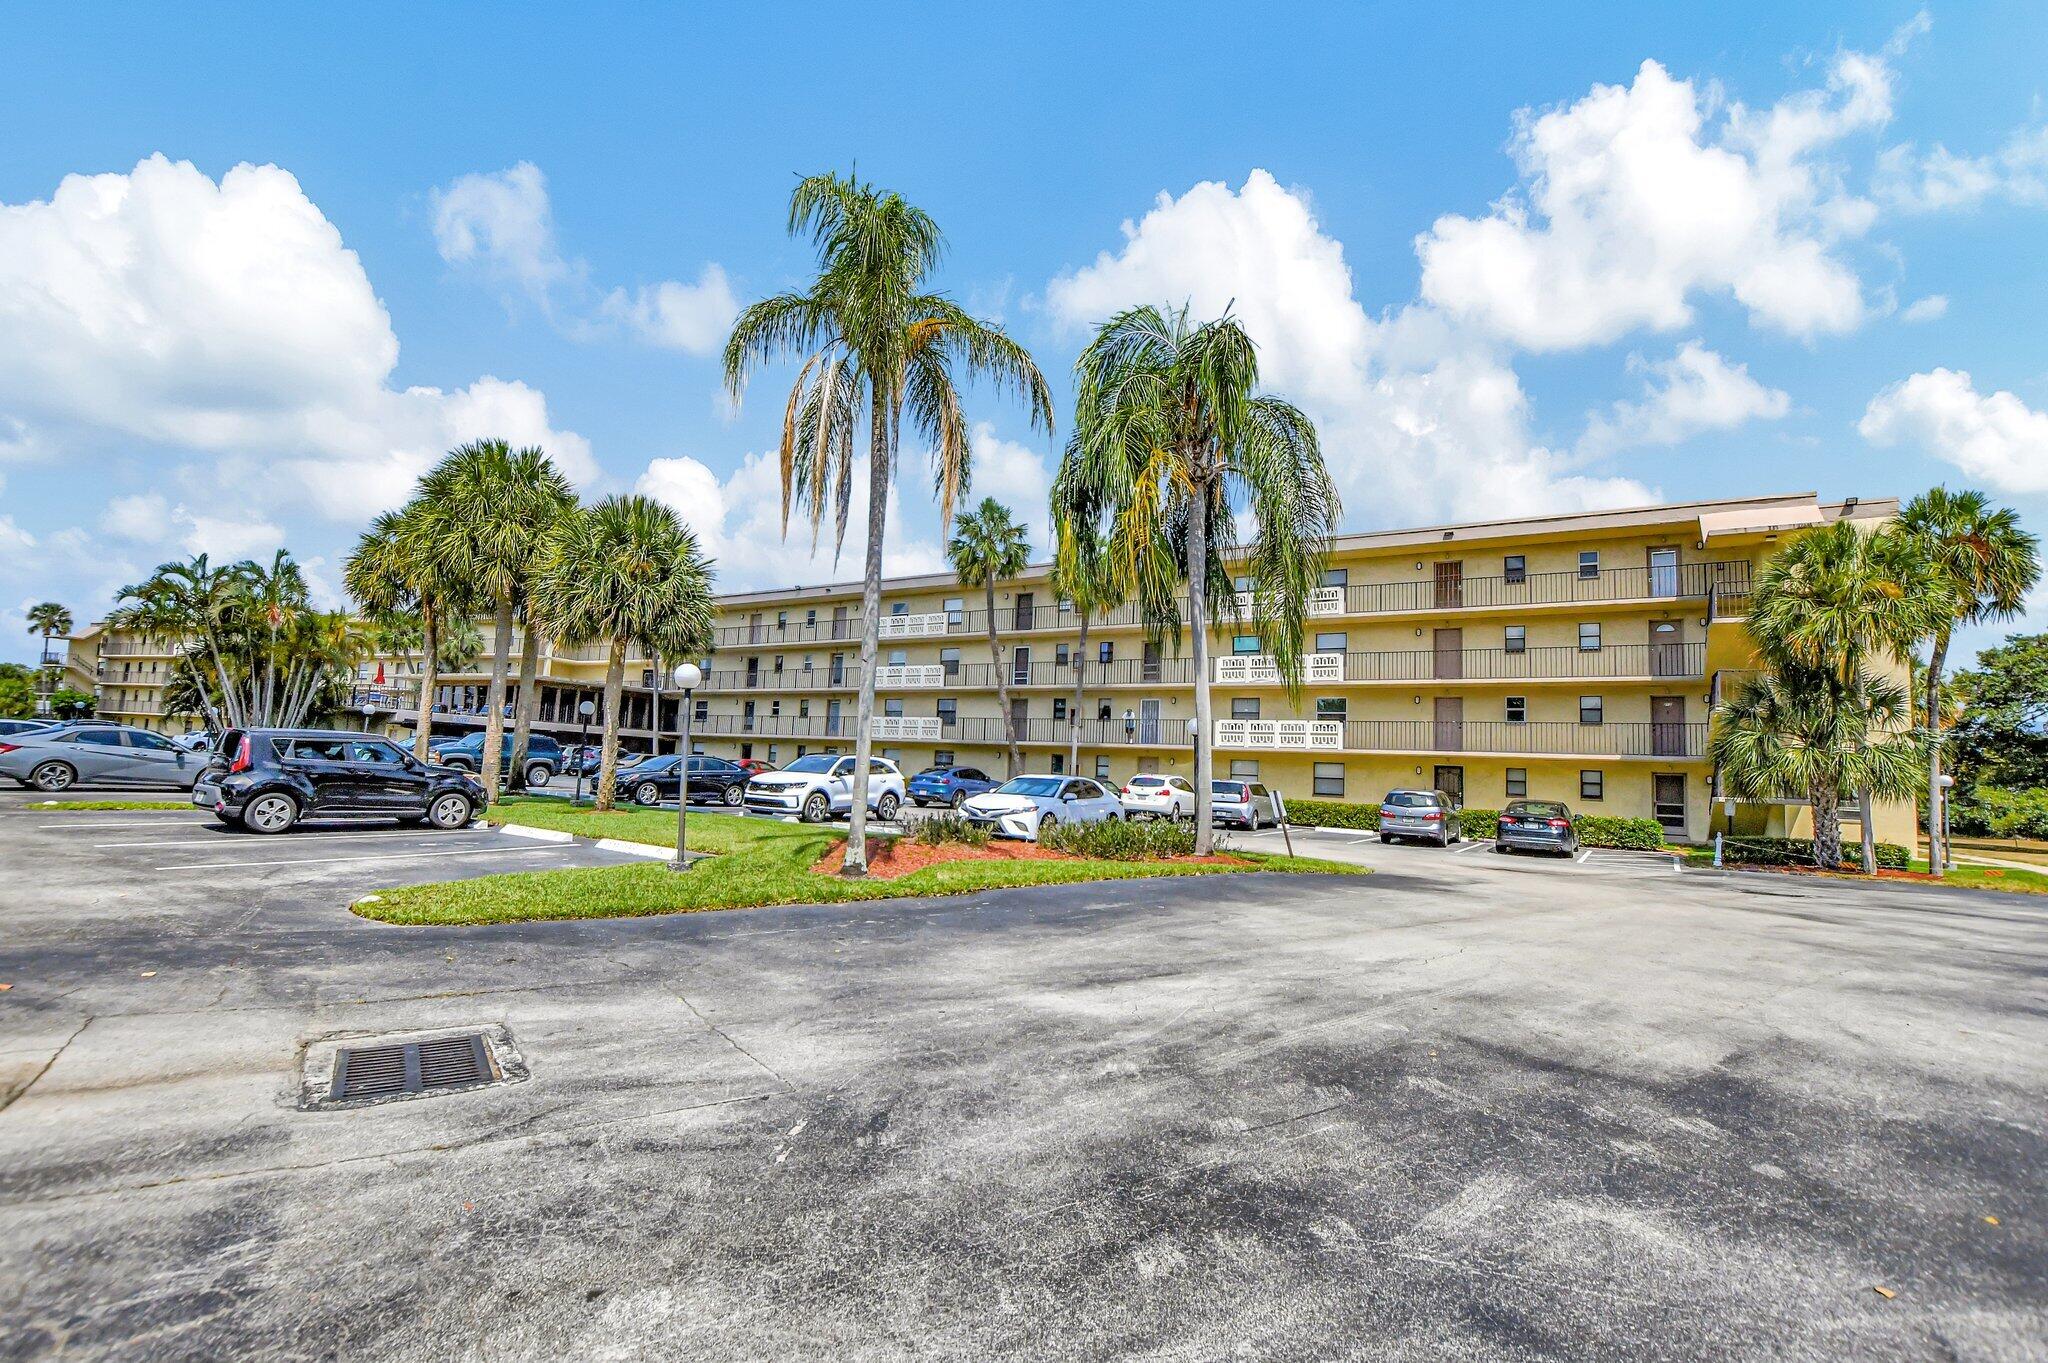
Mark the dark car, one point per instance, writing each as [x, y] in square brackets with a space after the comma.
[654, 779]
[266, 780]
[949, 785]
[543, 755]
[1538, 825]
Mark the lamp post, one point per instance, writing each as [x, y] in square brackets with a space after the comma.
[688, 676]
[584, 710]
[1948, 860]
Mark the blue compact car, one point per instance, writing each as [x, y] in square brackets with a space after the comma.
[949, 785]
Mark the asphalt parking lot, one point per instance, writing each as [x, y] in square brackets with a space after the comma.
[1470, 1107]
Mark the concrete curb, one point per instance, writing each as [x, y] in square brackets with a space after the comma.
[537, 834]
[638, 849]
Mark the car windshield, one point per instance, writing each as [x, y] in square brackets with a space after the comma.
[1411, 799]
[1043, 787]
[818, 762]
[1147, 781]
[1542, 809]
[1233, 789]
[936, 771]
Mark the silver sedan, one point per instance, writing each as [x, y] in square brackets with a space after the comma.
[59, 758]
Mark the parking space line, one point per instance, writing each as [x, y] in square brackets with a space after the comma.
[1472, 845]
[193, 822]
[367, 856]
[1584, 853]
[216, 839]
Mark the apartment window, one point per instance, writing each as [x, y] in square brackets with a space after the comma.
[1244, 643]
[803, 709]
[1518, 783]
[1102, 715]
[1244, 768]
[1515, 639]
[774, 707]
[1589, 637]
[1105, 653]
[703, 712]
[1589, 563]
[772, 758]
[1244, 707]
[809, 662]
[949, 660]
[1330, 779]
[1059, 707]
[956, 610]
[1592, 710]
[802, 748]
[1101, 768]
[1059, 656]
[893, 708]
[746, 750]
[949, 712]
[1330, 707]
[900, 608]
[810, 618]
[781, 622]
[1518, 709]
[1515, 568]
[1059, 764]
[943, 757]
[1332, 643]
[1242, 584]
[894, 755]
[898, 657]
[778, 664]
[1336, 577]
[1592, 785]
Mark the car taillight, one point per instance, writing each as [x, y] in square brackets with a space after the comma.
[1560, 823]
[241, 761]
[9, 747]
[1432, 814]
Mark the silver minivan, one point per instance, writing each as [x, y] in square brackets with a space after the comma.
[1425, 815]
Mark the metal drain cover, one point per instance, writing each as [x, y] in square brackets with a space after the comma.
[356, 1070]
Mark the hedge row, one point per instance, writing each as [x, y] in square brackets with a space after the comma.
[1595, 830]
[1748, 851]
[2002, 813]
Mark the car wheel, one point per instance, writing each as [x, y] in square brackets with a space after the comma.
[1048, 822]
[1501, 848]
[886, 807]
[271, 813]
[816, 807]
[959, 799]
[450, 812]
[1386, 837]
[1443, 839]
[52, 777]
[647, 793]
[731, 796]
[538, 775]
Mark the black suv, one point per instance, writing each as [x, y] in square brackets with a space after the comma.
[268, 779]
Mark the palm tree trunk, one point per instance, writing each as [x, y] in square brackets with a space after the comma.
[1827, 825]
[1074, 711]
[527, 708]
[494, 718]
[1198, 618]
[1937, 846]
[856, 862]
[270, 678]
[430, 634]
[1867, 820]
[614, 693]
[995, 653]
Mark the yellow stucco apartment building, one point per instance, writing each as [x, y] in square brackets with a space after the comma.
[1573, 657]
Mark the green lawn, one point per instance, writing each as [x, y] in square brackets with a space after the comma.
[1963, 877]
[40, 805]
[761, 863]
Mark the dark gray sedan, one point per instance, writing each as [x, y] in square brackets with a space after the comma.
[1536, 826]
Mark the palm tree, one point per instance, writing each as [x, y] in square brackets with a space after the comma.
[873, 341]
[1827, 608]
[395, 568]
[1081, 572]
[487, 510]
[986, 547]
[1174, 442]
[49, 619]
[1789, 731]
[198, 605]
[625, 571]
[1990, 564]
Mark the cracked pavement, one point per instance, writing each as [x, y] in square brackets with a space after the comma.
[1466, 1108]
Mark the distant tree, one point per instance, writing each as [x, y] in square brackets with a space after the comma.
[2001, 738]
[17, 694]
[1082, 571]
[49, 619]
[66, 703]
[398, 568]
[987, 546]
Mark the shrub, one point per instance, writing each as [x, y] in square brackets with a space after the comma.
[1602, 830]
[948, 827]
[1748, 851]
[1124, 839]
[1478, 823]
[1333, 814]
[2002, 813]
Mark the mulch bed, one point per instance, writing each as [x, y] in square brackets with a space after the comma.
[1849, 873]
[894, 858]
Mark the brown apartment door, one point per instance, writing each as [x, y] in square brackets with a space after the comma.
[1020, 708]
[1027, 613]
[1668, 794]
[1667, 648]
[1450, 654]
[1450, 724]
[1667, 726]
[1451, 781]
[839, 630]
[1450, 586]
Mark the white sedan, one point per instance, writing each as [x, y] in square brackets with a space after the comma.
[1162, 797]
[1025, 806]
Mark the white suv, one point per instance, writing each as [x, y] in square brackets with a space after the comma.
[1161, 797]
[820, 785]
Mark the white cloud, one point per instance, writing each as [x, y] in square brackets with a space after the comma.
[1928, 309]
[143, 517]
[1997, 439]
[501, 223]
[13, 539]
[1694, 391]
[1939, 179]
[228, 319]
[1635, 199]
[693, 318]
[738, 522]
[1015, 475]
[148, 518]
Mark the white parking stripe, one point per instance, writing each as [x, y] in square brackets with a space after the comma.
[223, 839]
[1584, 852]
[368, 856]
[1475, 846]
[126, 823]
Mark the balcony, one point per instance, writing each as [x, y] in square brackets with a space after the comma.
[926, 626]
[1321, 601]
[902, 729]
[1263, 669]
[897, 678]
[1281, 735]
[791, 679]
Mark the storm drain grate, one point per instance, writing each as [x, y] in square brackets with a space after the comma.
[449, 1062]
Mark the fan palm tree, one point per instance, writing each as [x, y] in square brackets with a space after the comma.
[1990, 564]
[49, 619]
[196, 604]
[1833, 604]
[626, 571]
[873, 342]
[1081, 573]
[486, 511]
[1173, 440]
[987, 546]
[395, 568]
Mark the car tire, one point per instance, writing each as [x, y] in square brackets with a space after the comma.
[816, 807]
[1049, 821]
[1501, 848]
[450, 812]
[1386, 837]
[886, 807]
[731, 796]
[959, 799]
[51, 777]
[270, 812]
[647, 793]
[538, 775]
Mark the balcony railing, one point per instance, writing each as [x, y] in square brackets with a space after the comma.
[924, 626]
[914, 675]
[1286, 735]
[1262, 669]
[789, 679]
[901, 728]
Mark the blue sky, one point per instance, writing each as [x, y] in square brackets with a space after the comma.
[258, 267]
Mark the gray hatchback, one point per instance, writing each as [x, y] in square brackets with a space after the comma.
[58, 758]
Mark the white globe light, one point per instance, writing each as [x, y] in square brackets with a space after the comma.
[688, 676]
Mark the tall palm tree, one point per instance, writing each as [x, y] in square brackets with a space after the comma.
[196, 604]
[396, 568]
[1174, 442]
[1831, 605]
[1081, 571]
[1990, 564]
[49, 619]
[487, 510]
[873, 342]
[275, 597]
[987, 546]
[626, 571]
